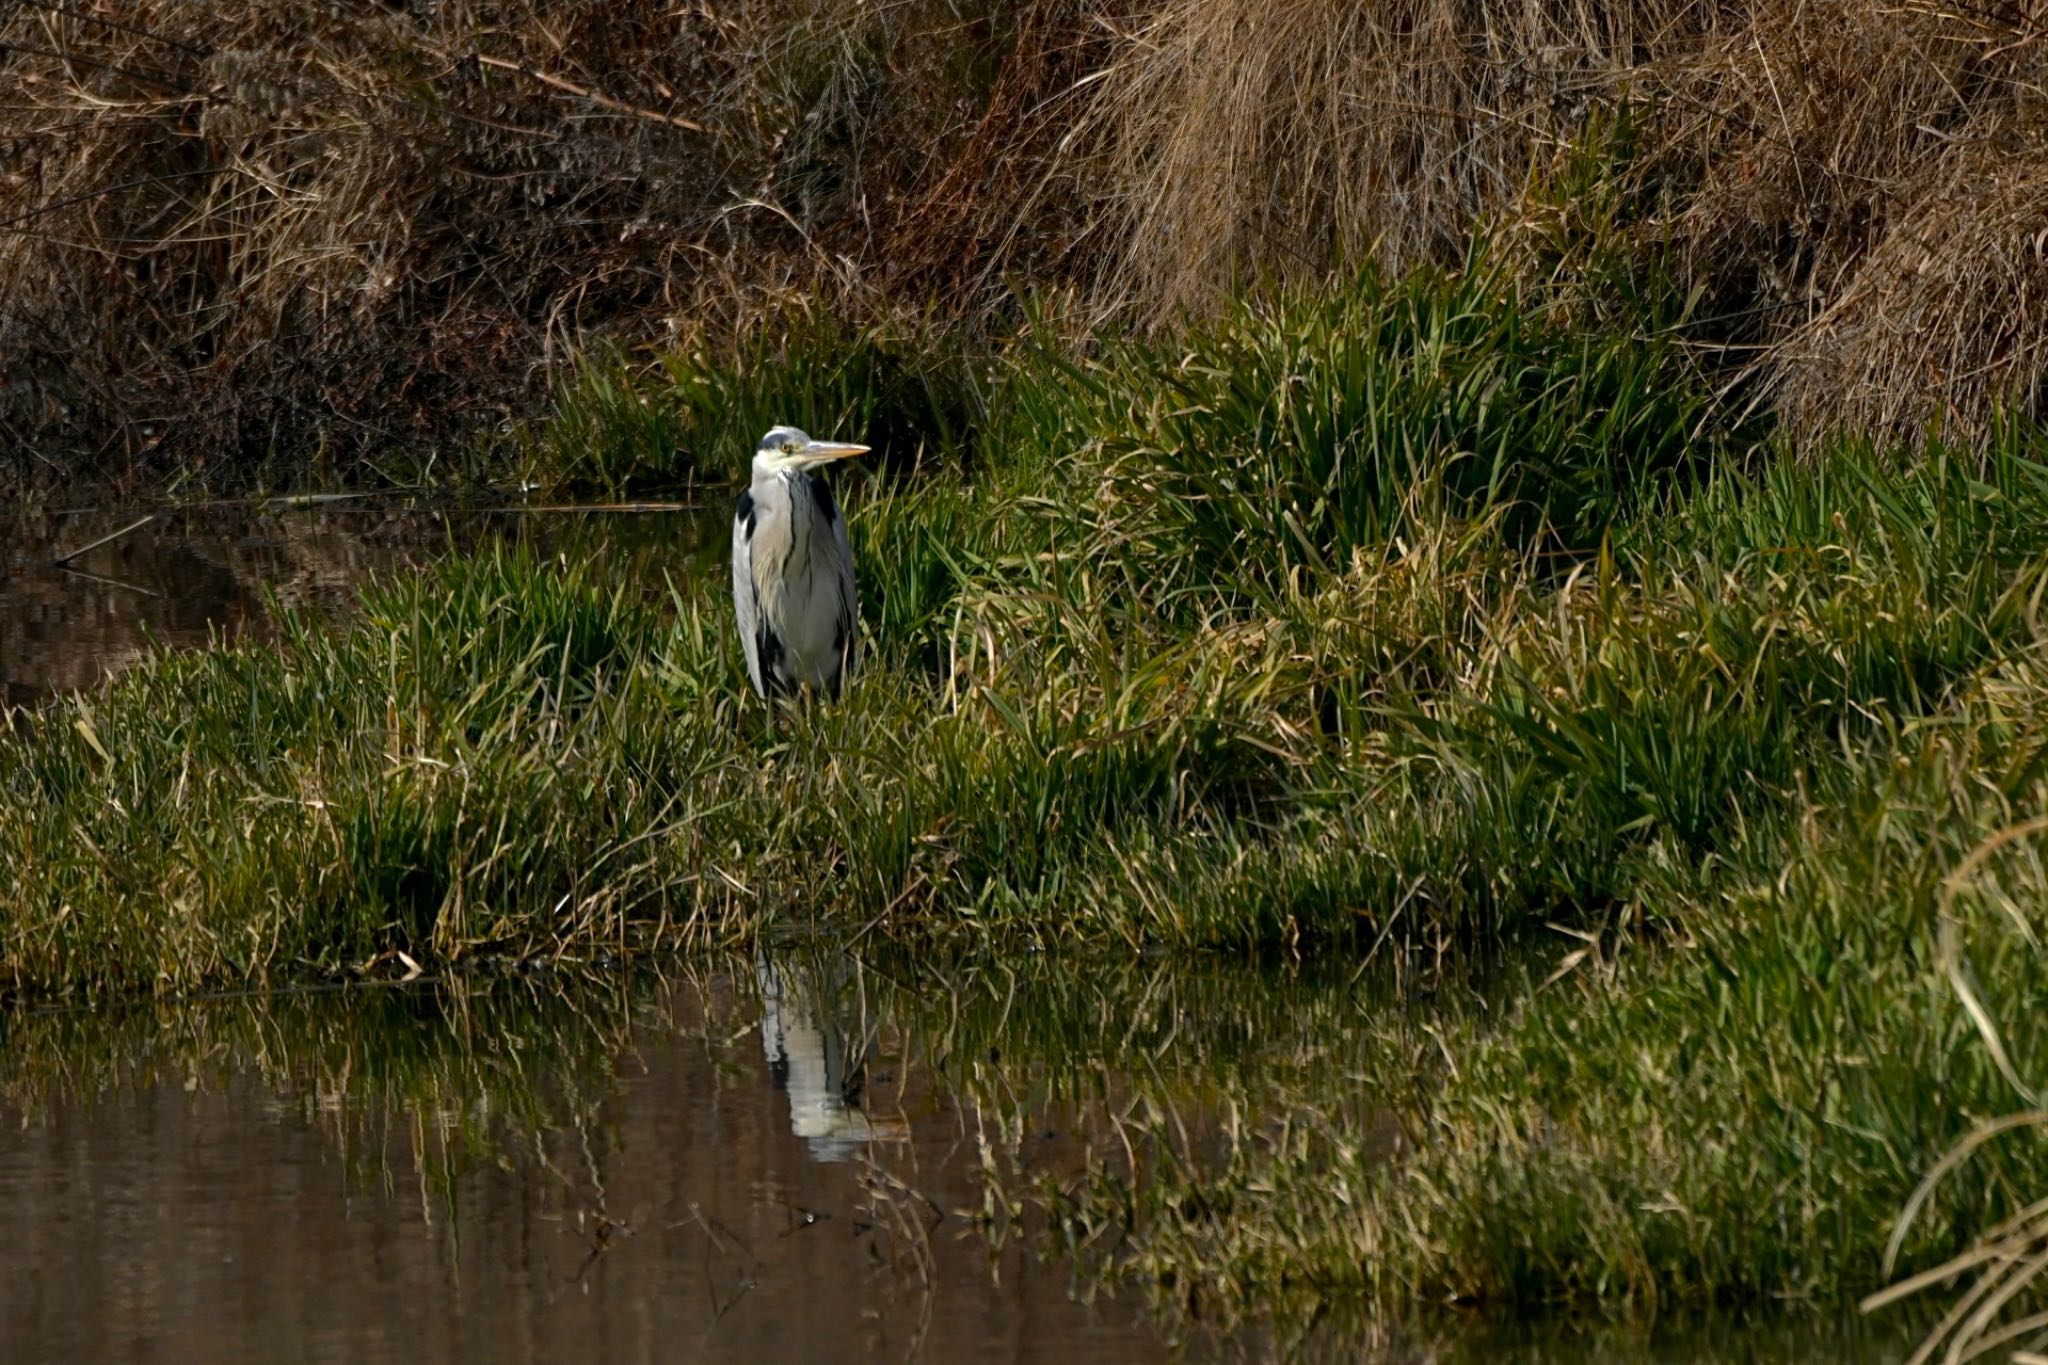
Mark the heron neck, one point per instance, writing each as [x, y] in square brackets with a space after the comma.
[766, 477]
[791, 479]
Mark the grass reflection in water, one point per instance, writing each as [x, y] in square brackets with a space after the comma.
[1035, 1142]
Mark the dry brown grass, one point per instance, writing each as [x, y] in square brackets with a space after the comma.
[1873, 175]
[1859, 186]
[1944, 318]
[1283, 136]
[248, 231]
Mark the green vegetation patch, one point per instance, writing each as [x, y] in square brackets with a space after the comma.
[695, 414]
[1399, 620]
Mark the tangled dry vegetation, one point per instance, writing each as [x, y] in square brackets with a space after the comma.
[275, 232]
[247, 232]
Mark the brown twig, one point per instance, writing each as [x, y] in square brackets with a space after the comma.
[65, 559]
[584, 92]
[68, 12]
[116, 188]
[617, 507]
[109, 582]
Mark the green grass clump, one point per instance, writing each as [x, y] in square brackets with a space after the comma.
[1299, 429]
[1398, 618]
[1843, 711]
[1739, 1115]
[695, 414]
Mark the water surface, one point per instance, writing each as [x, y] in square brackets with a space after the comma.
[615, 1173]
[794, 1159]
[190, 576]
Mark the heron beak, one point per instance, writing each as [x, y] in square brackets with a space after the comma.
[817, 452]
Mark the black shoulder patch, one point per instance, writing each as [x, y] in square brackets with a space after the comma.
[821, 494]
[743, 511]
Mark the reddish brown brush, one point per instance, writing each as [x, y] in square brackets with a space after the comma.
[253, 231]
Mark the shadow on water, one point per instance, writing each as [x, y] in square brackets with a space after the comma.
[190, 576]
[802, 1157]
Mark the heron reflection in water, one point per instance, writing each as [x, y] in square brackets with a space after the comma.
[819, 1061]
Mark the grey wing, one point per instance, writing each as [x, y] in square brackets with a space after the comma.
[746, 604]
[846, 634]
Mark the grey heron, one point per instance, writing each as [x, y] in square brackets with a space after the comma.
[792, 569]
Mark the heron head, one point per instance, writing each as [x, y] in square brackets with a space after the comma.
[785, 448]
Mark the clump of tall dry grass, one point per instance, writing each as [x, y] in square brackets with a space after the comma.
[1856, 189]
[1874, 173]
[1249, 136]
[1945, 318]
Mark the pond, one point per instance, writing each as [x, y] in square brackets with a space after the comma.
[813, 1153]
[508, 1172]
[802, 1157]
[188, 576]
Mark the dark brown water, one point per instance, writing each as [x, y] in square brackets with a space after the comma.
[195, 575]
[787, 1160]
[661, 1172]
